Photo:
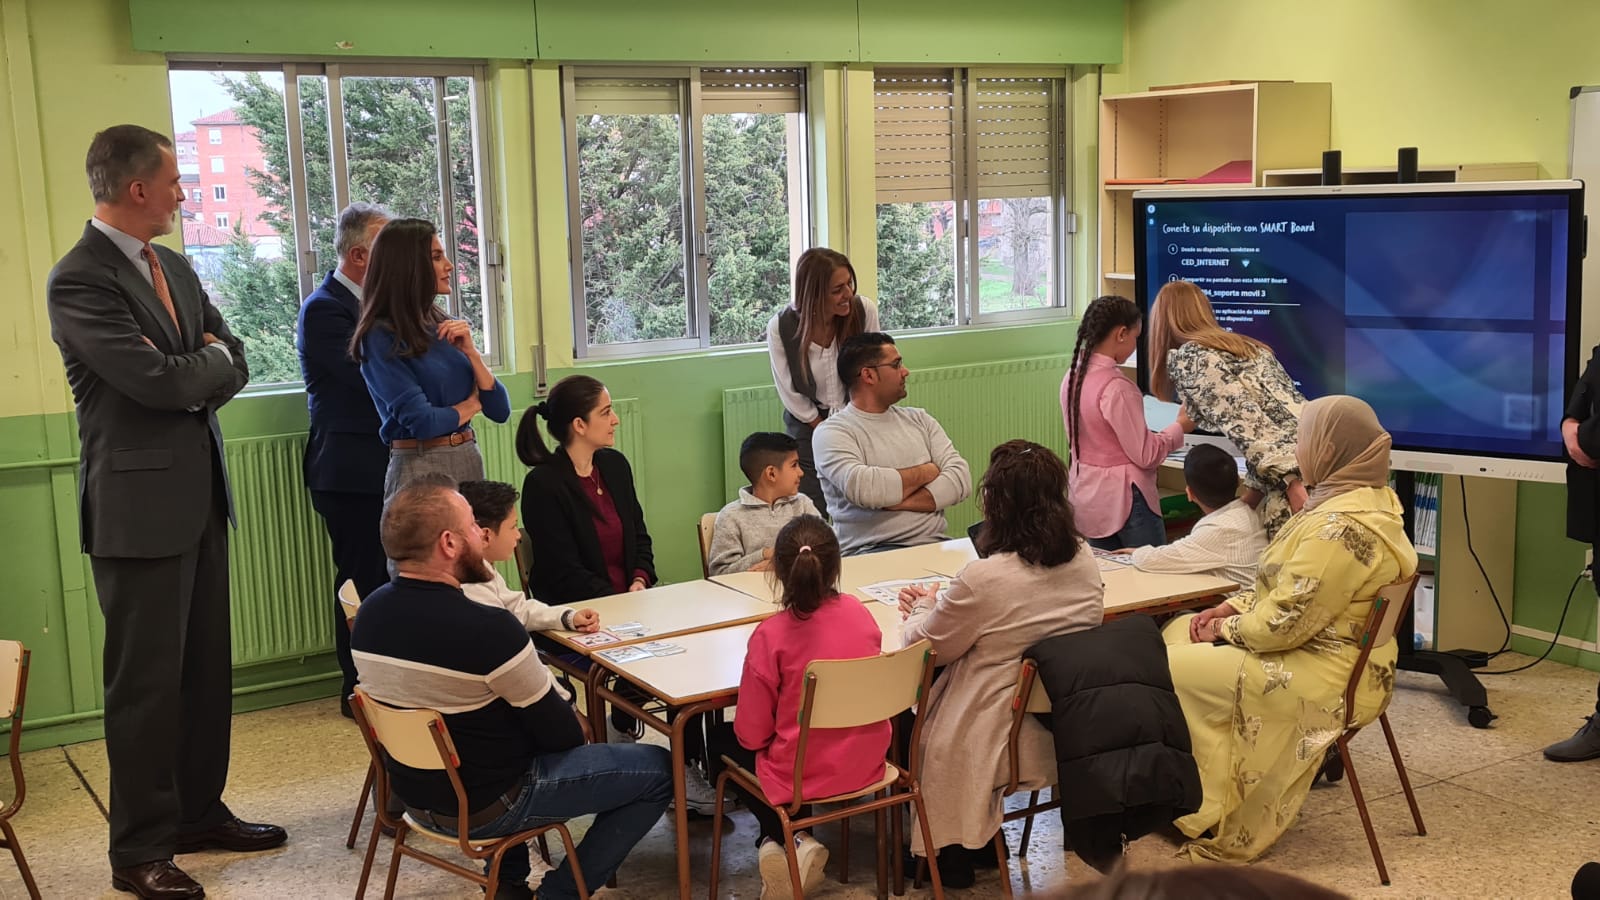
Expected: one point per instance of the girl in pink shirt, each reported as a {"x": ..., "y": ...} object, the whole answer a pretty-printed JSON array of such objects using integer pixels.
[
  {"x": 1114, "y": 453},
  {"x": 817, "y": 622}
]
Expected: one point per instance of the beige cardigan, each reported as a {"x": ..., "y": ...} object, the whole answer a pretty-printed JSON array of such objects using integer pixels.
[{"x": 980, "y": 626}]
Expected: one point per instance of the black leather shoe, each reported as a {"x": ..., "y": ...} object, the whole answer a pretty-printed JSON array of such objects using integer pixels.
[
  {"x": 235, "y": 835},
  {"x": 159, "y": 879}
]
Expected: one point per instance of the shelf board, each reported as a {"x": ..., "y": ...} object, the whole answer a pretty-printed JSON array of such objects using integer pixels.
[
  {"x": 1118, "y": 276},
  {"x": 1179, "y": 185}
]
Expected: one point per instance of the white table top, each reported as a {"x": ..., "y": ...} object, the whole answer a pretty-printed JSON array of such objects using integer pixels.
[
  {"x": 670, "y": 610},
  {"x": 945, "y": 559}
]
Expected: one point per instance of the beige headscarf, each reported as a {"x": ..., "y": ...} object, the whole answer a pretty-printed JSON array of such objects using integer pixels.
[{"x": 1341, "y": 447}]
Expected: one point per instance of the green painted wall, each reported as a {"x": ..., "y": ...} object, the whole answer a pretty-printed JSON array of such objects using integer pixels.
[
  {"x": 942, "y": 31},
  {"x": 1465, "y": 81}
]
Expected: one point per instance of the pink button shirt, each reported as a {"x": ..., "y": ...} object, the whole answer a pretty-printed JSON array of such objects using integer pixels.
[
  {"x": 1116, "y": 448},
  {"x": 838, "y": 760}
]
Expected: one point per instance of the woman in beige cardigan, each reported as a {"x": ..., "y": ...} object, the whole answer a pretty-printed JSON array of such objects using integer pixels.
[{"x": 1037, "y": 579}]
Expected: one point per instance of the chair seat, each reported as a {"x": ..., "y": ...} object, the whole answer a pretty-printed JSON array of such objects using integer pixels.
[
  {"x": 890, "y": 776},
  {"x": 482, "y": 845}
]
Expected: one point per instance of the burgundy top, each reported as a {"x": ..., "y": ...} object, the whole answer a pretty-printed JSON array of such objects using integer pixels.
[{"x": 608, "y": 529}]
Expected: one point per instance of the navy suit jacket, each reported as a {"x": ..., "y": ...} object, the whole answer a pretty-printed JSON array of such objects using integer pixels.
[{"x": 344, "y": 452}]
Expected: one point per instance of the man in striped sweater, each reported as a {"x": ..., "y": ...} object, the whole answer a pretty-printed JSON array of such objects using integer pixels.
[{"x": 419, "y": 642}]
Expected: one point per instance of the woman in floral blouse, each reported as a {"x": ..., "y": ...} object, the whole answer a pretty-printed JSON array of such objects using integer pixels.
[
  {"x": 1265, "y": 703},
  {"x": 1231, "y": 384}
]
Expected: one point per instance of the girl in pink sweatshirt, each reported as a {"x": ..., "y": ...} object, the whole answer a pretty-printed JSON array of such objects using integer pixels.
[
  {"x": 1114, "y": 453},
  {"x": 817, "y": 622}
]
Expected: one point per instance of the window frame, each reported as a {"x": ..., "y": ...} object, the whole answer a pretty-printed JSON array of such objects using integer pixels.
[
  {"x": 969, "y": 311},
  {"x": 219, "y": 193},
  {"x": 220, "y": 220},
  {"x": 309, "y": 269},
  {"x": 216, "y": 164},
  {"x": 213, "y": 136},
  {"x": 696, "y": 244}
]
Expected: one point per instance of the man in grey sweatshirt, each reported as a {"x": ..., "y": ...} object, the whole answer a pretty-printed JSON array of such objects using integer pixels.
[{"x": 888, "y": 471}]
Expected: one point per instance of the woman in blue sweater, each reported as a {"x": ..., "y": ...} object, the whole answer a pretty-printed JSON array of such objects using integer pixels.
[{"x": 421, "y": 366}]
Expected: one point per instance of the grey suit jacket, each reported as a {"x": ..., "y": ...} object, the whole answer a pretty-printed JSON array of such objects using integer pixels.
[{"x": 145, "y": 483}]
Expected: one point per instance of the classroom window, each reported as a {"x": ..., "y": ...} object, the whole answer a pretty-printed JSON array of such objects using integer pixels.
[
  {"x": 318, "y": 136},
  {"x": 971, "y": 175},
  {"x": 688, "y": 199}
]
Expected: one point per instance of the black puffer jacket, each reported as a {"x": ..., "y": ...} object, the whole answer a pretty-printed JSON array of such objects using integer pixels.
[{"x": 1122, "y": 746}]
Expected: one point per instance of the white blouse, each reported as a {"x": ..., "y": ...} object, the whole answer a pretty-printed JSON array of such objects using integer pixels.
[{"x": 824, "y": 369}]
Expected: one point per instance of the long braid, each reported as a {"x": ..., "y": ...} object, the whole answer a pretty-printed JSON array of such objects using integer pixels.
[{"x": 1103, "y": 315}]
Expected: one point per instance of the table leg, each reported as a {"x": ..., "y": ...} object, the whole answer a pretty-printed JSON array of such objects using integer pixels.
[{"x": 597, "y": 705}]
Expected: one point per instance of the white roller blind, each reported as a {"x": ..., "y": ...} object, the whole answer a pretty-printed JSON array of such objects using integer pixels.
[
  {"x": 1019, "y": 135},
  {"x": 752, "y": 90},
  {"x": 915, "y": 124},
  {"x": 626, "y": 96}
]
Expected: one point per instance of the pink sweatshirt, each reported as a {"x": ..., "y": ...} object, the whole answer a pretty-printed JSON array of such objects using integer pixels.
[
  {"x": 838, "y": 760},
  {"x": 1115, "y": 448}
]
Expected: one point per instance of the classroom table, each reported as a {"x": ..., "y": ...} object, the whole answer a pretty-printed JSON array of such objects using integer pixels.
[
  {"x": 705, "y": 676},
  {"x": 667, "y": 611}
]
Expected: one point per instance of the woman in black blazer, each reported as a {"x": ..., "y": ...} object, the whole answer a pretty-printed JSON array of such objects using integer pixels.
[{"x": 579, "y": 508}]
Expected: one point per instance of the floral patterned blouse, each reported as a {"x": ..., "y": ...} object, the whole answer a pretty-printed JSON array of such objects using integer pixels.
[{"x": 1252, "y": 402}]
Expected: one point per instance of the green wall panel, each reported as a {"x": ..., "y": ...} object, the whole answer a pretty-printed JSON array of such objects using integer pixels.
[
  {"x": 479, "y": 29},
  {"x": 698, "y": 31},
  {"x": 1001, "y": 31}
]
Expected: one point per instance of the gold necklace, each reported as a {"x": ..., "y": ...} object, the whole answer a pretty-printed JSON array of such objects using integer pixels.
[{"x": 594, "y": 479}]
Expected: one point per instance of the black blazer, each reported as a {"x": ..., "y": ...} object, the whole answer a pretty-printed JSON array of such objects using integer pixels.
[
  {"x": 567, "y": 564},
  {"x": 344, "y": 452},
  {"x": 147, "y": 397},
  {"x": 1583, "y": 485}
]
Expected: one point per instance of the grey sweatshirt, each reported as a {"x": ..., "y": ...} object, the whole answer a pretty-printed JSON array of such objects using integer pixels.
[
  {"x": 857, "y": 456},
  {"x": 748, "y": 525}
]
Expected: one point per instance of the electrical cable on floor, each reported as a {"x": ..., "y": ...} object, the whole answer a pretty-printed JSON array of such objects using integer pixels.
[
  {"x": 1466, "y": 521},
  {"x": 1554, "y": 638}
]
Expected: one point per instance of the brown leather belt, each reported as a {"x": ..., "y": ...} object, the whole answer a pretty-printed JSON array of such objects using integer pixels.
[
  {"x": 476, "y": 820},
  {"x": 463, "y": 436}
]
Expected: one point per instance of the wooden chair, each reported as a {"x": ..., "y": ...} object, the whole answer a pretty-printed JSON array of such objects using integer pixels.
[
  {"x": 1025, "y": 701},
  {"x": 13, "y": 691},
  {"x": 420, "y": 739},
  {"x": 1388, "y": 608},
  {"x": 350, "y": 602},
  {"x": 705, "y": 531},
  {"x": 834, "y": 699}
]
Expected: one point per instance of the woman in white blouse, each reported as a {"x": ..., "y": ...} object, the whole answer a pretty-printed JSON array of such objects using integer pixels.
[{"x": 804, "y": 339}]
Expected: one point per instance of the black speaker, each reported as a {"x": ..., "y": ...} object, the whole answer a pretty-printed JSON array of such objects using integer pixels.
[
  {"x": 1406, "y": 165},
  {"x": 1331, "y": 168}
]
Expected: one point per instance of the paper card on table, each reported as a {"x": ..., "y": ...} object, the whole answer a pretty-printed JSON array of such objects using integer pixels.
[
  {"x": 888, "y": 592},
  {"x": 596, "y": 639},
  {"x": 1111, "y": 562},
  {"x": 623, "y": 654},
  {"x": 660, "y": 648},
  {"x": 629, "y": 629}
]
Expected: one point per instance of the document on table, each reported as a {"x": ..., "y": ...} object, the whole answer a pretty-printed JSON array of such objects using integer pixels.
[
  {"x": 1112, "y": 562},
  {"x": 889, "y": 591}
]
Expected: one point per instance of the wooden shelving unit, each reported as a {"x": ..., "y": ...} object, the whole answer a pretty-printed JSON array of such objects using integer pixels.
[{"x": 1184, "y": 133}]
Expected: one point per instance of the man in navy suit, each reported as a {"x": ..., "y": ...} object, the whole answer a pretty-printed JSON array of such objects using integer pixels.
[{"x": 345, "y": 460}]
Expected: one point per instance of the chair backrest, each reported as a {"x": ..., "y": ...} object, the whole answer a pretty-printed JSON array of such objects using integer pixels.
[
  {"x": 1026, "y": 698},
  {"x": 349, "y": 601},
  {"x": 524, "y": 559},
  {"x": 707, "y": 527},
  {"x": 407, "y": 735},
  {"x": 1388, "y": 608},
  {"x": 836, "y": 697},
  {"x": 13, "y": 678}
]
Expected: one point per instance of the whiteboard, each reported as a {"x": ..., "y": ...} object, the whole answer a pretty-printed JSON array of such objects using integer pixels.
[{"x": 1583, "y": 163}]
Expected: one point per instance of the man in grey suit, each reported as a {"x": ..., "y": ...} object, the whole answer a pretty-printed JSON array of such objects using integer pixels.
[{"x": 150, "y": 360}]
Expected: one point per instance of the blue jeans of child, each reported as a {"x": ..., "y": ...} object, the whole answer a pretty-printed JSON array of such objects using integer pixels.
[
  {"x": 628, "y": 786},
  {"x": 1144, "y": 527}
]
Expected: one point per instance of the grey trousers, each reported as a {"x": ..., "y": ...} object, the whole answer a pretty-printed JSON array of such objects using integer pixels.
[{"x": 463, "y": 462}]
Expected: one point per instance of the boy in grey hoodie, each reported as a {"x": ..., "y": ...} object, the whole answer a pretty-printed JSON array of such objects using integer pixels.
[{"x": 742, "y": 539}]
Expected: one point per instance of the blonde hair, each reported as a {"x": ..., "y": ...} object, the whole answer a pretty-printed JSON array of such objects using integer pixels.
[{"x": 1182, "y": 314}]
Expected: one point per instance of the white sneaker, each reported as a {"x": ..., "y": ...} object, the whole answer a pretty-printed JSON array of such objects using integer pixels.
[
  {"x": 775, "y": 884},
  {"x": 813, "y": 858},
  {"x": 698, "y": 795}
]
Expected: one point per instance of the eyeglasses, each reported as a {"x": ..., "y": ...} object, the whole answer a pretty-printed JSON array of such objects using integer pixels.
[{"x": 897, "y": 363}]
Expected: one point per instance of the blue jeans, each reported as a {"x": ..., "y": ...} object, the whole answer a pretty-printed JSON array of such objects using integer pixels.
[
  {"x": 628, "y": 786},
  {"x": 1143, "y": 528}
]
